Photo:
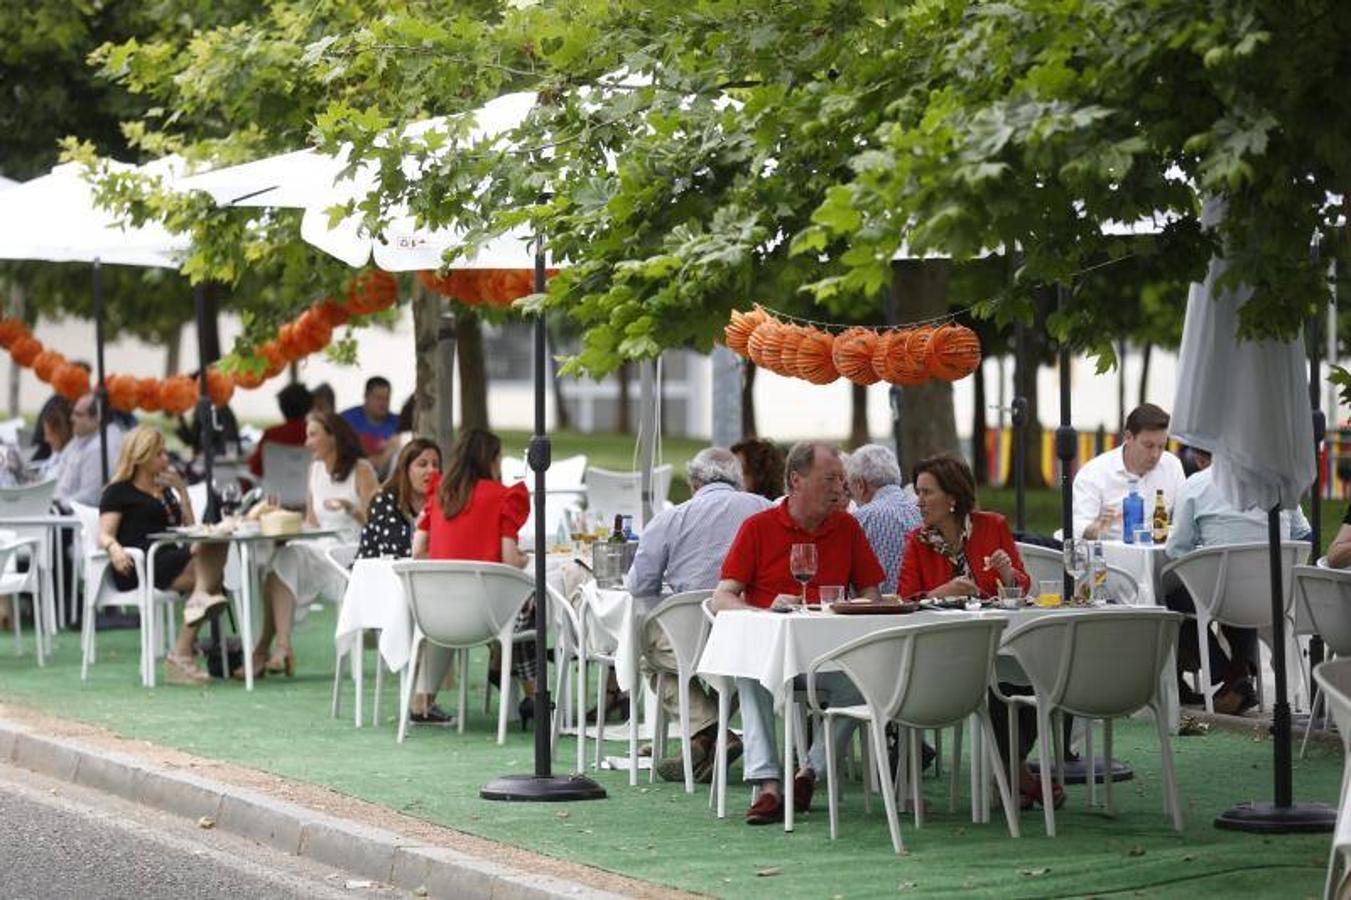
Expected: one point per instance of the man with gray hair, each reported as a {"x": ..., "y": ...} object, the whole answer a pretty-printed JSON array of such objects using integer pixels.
[
  {"x": 887, "y": 513},
  {"x": 681, "y": 550}
]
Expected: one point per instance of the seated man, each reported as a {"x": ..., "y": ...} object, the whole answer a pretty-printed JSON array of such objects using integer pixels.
[
  {"x": 756, "y": 575},
  {"x": 1202, "y": 517},
  {"x": 1104, "y": 481},
  {"x": 374, "y": 423},
  {"x": 81, "y": 475},
  {"x": 683, "y": 548},
  {"x": 885, "y": 510},
  {"x": 295, "y": 401}
]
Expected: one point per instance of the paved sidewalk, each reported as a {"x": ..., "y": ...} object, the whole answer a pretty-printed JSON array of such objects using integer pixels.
[{"x": 329, "y": 828}]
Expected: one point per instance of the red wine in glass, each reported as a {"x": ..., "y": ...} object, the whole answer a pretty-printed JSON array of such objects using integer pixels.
[{"x": 802, "y": 564}]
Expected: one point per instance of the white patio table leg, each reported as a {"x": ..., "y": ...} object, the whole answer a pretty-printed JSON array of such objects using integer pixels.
[
  {"x": 246, "y": 609},
  {"x": 788, "y": 756}
]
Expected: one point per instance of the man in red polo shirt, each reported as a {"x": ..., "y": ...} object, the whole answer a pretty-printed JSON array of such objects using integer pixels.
[{"x": 755, "y": 575}]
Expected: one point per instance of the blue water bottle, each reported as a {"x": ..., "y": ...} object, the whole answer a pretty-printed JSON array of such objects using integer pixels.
[{"x": 1132, "y": 513}]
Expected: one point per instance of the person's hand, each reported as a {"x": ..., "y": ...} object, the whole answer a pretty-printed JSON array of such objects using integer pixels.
[
  {"x": 1106, "y": 520},
  {"x": 120, "y": 560},
  {"x": 337, "y": 503},
  {"x": 1001, "y": 563},
  {"x": 961, "y": 586},
  {"x": 786, "y": 601},
  {"x": 171, "y": 479}
]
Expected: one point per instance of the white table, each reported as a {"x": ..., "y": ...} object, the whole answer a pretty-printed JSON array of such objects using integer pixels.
[
  {"x": 374, "y": 599},
  {"x": 244, "y": 544},
  {"x": 1144, "y": 562},
  {"x": 48, "y": 562}
]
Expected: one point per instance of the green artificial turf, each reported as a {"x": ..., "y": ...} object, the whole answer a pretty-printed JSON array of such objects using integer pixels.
[{"x": 660, "y": 834}]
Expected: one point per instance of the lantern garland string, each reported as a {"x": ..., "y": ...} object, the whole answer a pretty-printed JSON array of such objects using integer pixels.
[{"x": 950, "y": 316}]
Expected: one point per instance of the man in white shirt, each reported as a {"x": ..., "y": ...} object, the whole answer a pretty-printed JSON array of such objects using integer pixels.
[
  {"x": 81, "y": 476},
  {"x": 1104, "y": 481}
]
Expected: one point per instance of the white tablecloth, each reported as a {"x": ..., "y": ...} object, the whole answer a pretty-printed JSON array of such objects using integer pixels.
[
  {"x": 375, "y": 599},
  {"x": 612, "y": 629},
  {"x": 1143, "y": 562}
]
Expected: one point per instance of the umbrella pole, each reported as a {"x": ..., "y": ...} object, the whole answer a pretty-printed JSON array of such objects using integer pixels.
[
  {"x": 543, "y": 785},
  {"x": 101, "y": 388},
  {"x": 1066, "y": 441},
  {"x": 205, "y": 412},
  {"x": 1019, "y": 420},
  {"x": 1284, "y": 815}
]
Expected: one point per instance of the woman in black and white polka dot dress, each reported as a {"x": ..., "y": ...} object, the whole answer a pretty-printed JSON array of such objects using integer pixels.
[{"x": 388, "y": 531}]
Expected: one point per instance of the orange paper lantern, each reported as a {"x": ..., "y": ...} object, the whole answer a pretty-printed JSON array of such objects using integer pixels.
[
  {"x": 46, "y": 363},
  {"x": 247, "y": 379},
  {"x": 25, "y": 349},
  {"x": 276, "y": 361},
  {"x": 148, "y": 395},
  {"x": 178, "y": 394},
  {"x": 220, "y": 386},
  {"x": 372, "y": 291},
  {"x": 312, "y": 332},
  {"x": 71, "y": 381},
  {"x": 334, "y": 314},
  {"x": 954, "y": 352},
  {"x": 908, "y": 361},
  {"x": 10, "y": 331},
  {"x": 739, "y": 328},
  {"x": 814, "y": 357},
  {"x": 766, "y": 343},
  {"x": 290, "y": 343},
  {"x": 853, "y": 355},
  {"x": 793, "y": 336},
  {"x": 122, "y": 392}
]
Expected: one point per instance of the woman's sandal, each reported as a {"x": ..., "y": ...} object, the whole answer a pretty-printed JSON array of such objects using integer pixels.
[
  {"x": 282, "y": 661},
  {"x": 259, "y": 669}
]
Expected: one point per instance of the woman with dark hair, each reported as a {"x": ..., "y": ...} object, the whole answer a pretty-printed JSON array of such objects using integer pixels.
[
  {"x": 56, "y": 430},
  {"x": 471, "y": 515},
  {"x": 962, "y": 551},
  {"x": 761, "y": 467},
  {"x": 395, "y": 510},
  {"x": 340, "y": 486}
]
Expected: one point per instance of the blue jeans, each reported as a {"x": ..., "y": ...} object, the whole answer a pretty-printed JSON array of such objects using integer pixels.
[{"x": 760, "y": 761}]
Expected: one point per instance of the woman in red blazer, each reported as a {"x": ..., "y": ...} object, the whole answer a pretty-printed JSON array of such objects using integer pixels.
[{"x": 960, "y": 551}]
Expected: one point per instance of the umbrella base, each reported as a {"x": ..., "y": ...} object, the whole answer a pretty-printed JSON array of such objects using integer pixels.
[
  {"x": 1076, "y": 771},
  {"x": 1268, "y": 818},
  {"x": 542, "y": 789}
]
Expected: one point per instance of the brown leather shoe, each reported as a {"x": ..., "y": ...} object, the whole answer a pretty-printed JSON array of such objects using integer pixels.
[
  {"x": 803, "y": 785},
  {"x": 766, "y": 810}
]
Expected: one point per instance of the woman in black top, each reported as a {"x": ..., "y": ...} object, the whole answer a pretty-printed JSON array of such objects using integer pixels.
[
  {"x": 147, "y": 496},
  {"x": 389, "y": 522}
]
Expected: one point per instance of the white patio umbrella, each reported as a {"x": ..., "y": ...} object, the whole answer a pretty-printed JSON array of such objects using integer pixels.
[
  {"x": 1248, "y": 401},
  {"x": 53, "y": 218}
]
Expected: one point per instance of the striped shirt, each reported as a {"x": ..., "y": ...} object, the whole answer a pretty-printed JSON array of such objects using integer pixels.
[{"x": 887, "y": 520}]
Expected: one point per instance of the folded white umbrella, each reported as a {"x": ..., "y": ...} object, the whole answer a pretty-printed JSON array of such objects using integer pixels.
[{"x": 1245, "y": 401}]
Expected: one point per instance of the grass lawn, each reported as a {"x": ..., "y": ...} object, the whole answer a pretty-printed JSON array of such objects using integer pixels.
[{"x": 660, "y": 834}]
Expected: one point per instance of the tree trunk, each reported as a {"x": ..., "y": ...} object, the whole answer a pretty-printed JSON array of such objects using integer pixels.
[
  {"x": 1025, "y": 386},
  {"x": 858, "y": 415},
  {"x": 928, "y": 425},
  {"x": 473, "y": 372},
  {"x": 18, "y": 310},
  {"x": 748, "y": 401},
  {"x": 623, "y": 422},
  {"x": 562, "y": 418},
  {"x": 1145, "y": 352},
  {"x": 426, "y": 322},
  {"x": 173, "y": 347},
  {"x": 209, "y": 339},
  {"x": 980, "y": 459}
]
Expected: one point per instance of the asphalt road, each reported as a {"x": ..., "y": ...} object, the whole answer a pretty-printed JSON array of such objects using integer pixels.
[{"x": 62, "y": 840}]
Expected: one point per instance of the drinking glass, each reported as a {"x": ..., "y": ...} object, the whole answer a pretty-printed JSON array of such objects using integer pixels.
[
  {"x": 230, "y": 496},
  {"x": 1144, "y": 536},
  {"x": 1076, "y": 557},
  {"x": 1050, "y": 593},
  {"x": 802, "y": 564},
  {"x": 831, "y": 593},
  {"x": 1010, "y": 596}
]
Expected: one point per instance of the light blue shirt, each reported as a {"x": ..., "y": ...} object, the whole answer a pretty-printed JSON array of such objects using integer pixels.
[
  {"x": 887, "y": 520},
  {"x": 683, "y": 547},
  {"x": 1203, "y": 518}
]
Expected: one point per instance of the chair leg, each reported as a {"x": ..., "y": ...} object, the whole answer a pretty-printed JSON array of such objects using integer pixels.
[
  {"x": 659, "y": 729},
  {"x": 877, "y": 731},
  {"x": 938, "y": 754},
  {"x": 870, "y": 774},
  {"x": 504, "y": 691},
  {"x": 992, "y": 754},
  {"x": 379, "y": 690},
  {"x": 464, "y": 690},
  {"x": 1169, "y": 773},
  {"x": 1058, "y": 723},
  {"x": 602, "y": 709},
  {"x": 1308, "y": 726},
  {"x": 87, "y": 640},
  {"x": 956, "y": 769},
  {"x": 579, "y": 698},
  {"x": 832, "y": 796},
  {"x": 685, "y": 750},
  {"x": 1202, "y": 634},
  {"x": 561, "y": 705},
  {"x": 916, "y": 775},
  {"x": 1107, "y": 775},
  {"x": 1044, "y": 739},
  {"x": 407, "y": 679}
]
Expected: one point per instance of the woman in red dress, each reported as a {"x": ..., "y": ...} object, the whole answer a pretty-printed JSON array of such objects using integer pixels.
[
  {"x": 962, "y": 551},
  {"x": 471, "y": 515}
]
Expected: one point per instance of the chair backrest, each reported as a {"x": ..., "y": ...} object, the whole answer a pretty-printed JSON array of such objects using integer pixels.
[
  {"x": 568, "y": 473},
  {"x": 709, "y": 612},
  {"x": 341, "y": 557},
  {"x": 1323, "y": 599},
  {"x": 27, "y": 499},
  {"x": 566, "y": 623},
  {"x": 1334, "y": 679},
  {"x": 463, "y": 604},
  {"x": 925, "y": 676},
  {"x": 620, "y": 493},
  {"x": 286, "y": 472},
  {"x": 514, "y": 469},
  {"x": 89, "y": 526},
  {"x": 1041, "y": 563},
  {"x": 680, "y": 618},
  {"x": 1097, "y": 663},
  {"x": 1232, "y": 582},
  {"x": 1122, "y": 586}
]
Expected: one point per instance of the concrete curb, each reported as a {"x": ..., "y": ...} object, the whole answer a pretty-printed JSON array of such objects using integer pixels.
[{"x": 362, "y": 850}]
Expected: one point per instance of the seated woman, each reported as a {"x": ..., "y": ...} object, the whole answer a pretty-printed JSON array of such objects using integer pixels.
[
  {"x": 761, "y": 467},
  {"x": 962, "y": 551},
  {"x": 56, "y": 434},
  {"x": 147, "y": 496},
  {"x": 471, "y": 515},
  {"x": 339, "y": 488}
]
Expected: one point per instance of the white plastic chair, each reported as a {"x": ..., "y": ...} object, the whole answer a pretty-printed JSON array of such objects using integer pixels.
[
  {"x": 1100, "y": 664},
  {"x": 1334, "y": 682},
  {"x": 340, "y": 558},
  {"x": 1230, "y": 584},
  {"x": 680, "y": 619},
  {"x": 613, "y": 493},
  {"x": 604, "y": 662},
  {"x": 923, "y": 677},
  {"x": 462, "y": 605},
  {"x": 13, "y": 583},
  {"x": 100, "y": 592},
  {"x": 569, "y": 654},
  {"x": 286, "y": 473},
  {"x": 28, "y": 501},
  {"x": 1048, "y": 564},
  {"x": 1324, "y": 597}
]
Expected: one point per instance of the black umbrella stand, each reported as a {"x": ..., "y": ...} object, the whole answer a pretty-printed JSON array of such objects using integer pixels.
[
  {"x": 543, "y": 785},
  {"x": 1283, "y": 815}
]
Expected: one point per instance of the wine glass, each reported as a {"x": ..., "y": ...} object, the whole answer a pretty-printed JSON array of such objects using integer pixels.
[
  {"x": 1076, "y": 558},
  {"x": 802, "y": 563},
  {"x": 230, "y": 496}
]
